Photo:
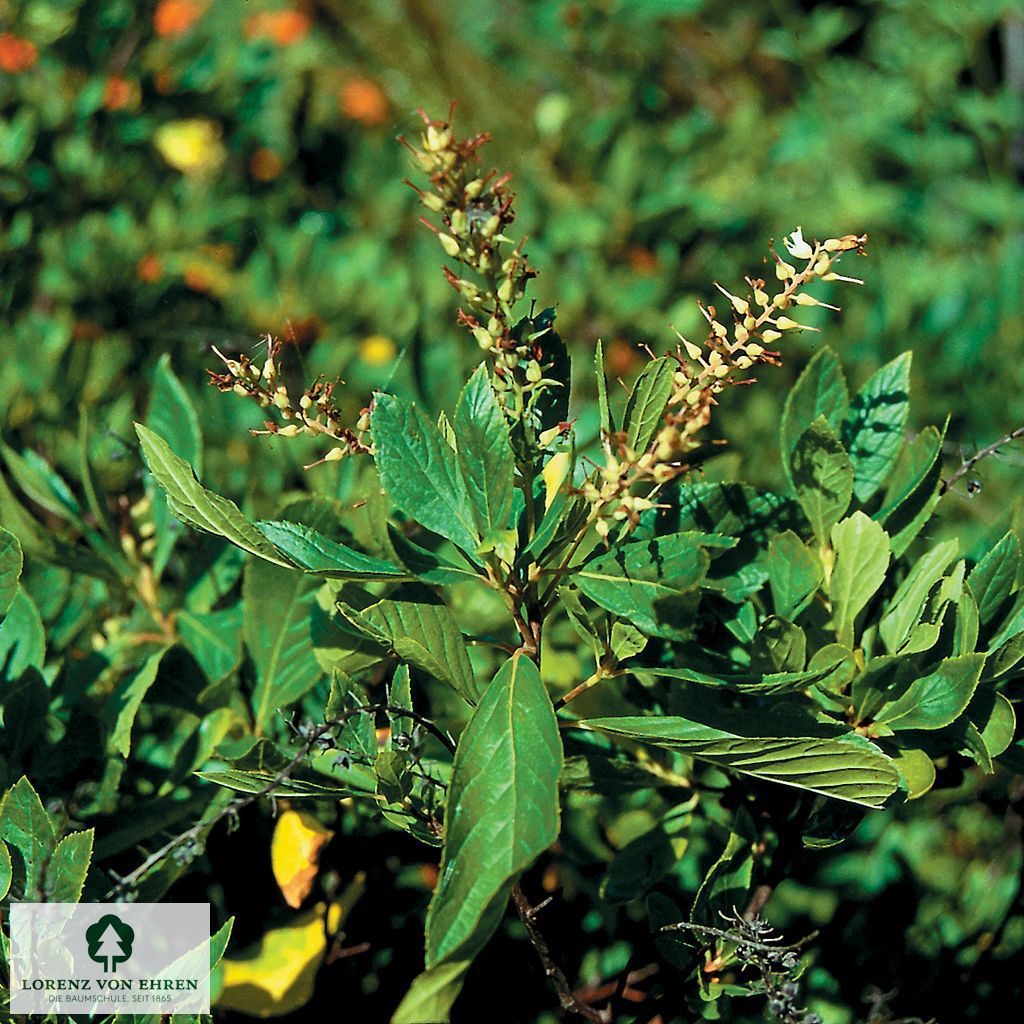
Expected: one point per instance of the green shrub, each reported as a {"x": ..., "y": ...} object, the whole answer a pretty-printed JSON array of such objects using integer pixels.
[{"x": 770, "y": 676}]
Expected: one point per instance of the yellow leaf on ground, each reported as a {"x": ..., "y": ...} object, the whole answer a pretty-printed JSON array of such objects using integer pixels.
[
  {"x": 276, "y": 976},
  {"x": 295, "y": 853}
]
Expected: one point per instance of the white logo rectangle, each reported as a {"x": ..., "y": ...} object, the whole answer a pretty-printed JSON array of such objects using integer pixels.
[{"x": 110, "y": 958}]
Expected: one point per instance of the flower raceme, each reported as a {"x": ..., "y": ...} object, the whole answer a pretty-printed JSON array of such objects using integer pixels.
[{"x": 759, "y": 319}]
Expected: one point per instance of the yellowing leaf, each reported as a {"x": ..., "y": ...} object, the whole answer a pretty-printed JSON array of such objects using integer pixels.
[
  {"x": 295, "y": 853},
  {"x": 192, "y": 146},
  {"x": 276, "y": 976},
  {"x": 554, "y": 473}
]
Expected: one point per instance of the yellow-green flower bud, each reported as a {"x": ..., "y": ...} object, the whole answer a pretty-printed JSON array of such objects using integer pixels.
[
  {"x": 784, "y": 271},
  {"x": 483, "y": 338},
  {"x": 533, "y": 371},
  {"x": 432, "y": 202},
  {"x": 491, "y": 225},
  {"x": 506, "y": 290},
  {"x": 474, "y": 188},
  {"x": 770, "y": 336},
  {"x": 449, "y": 244},
  {"x": 335, "y": 455},
  {"x": 458, "y": 223},
  {"x": 785, "y": 324}
]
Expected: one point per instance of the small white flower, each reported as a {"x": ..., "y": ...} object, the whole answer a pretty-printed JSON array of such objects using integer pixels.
[{"x": 796, "y": 245}]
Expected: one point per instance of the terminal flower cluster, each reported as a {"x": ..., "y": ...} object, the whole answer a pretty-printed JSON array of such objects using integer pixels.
[
  {"x": 737, "y": 341},
  {"x": 314, "y": 414}
]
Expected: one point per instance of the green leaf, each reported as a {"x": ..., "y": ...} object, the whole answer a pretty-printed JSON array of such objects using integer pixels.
[
  {"x": 10, "y": 569},
  {"x": 862, "y": 557},
  {"x": 124, "y": 703},
  {"x": 321, "y": 556},
  {"x": 650, "y": 582},
  {"x": 794, "y": 573},
  {"x": 195, "y": 506},
  {"x": 22, "y": 638},
  {"x": 936, "y": 700},
  {"x": 873, "y": 431},
  {"x": 66, "y": 871},
  {"x": 647, "y": 402},
  {"x": 914, "y": 489},
  {"x": 484, "y": 453},
  {"x": 6, "y": 870},
  {"x": 502, "y": 813},
  {"x": 25, "y": 825},
  {"x": 261, "y": 781},
  {"x": 917, "y": 769},
  {"x": 214, "y": 639},
  {"x": 822, "y": 476},
  {"x": 645, "y": 860},
  {"x": 908, "y": 602},
  {"x": 992, "y": 579},
  {"x": 418, "y": 469},
  {"x": 424, "y": 633},
  {"x": 764, "y": 684},
  {"x": 726, "y": 884},
  {"x": 278, "y": 607},
  {"x": 843, "y": 768},
  {"x": 172, "y": 416},
  {"x": 819, "y": 391}
]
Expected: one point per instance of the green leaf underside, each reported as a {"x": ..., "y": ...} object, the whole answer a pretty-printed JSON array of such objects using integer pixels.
[
  {"x": 195, "y": 506},
  {"x": 321, "y": 556},
  {"x": 646, "y": 403},
  {"x": 502, "y": 813},
  {"x": 846, "y": 768},
  {"x": 418, "y": 469},
  {"x": 258, "y": 781}
]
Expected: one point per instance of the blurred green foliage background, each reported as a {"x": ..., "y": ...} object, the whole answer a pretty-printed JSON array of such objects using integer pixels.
[{"x": 180, "y": 174}]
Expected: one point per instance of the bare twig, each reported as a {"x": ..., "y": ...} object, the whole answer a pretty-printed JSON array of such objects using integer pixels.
[
  {"x": 556, "y": 976},
  {"x": 983, "y": 453}
]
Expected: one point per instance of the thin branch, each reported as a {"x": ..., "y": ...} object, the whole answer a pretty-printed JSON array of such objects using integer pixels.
[
  {"x": 556, "y": 976},
  {"x": 968, "y": 464},
  {"x": 240, "y": 803}
]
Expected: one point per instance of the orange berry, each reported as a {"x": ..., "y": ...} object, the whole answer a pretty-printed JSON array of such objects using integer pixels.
[
  {"x": 174, "y": 18},
  {"x": 16, "y": 55},
  {"x": 265, "y": 164},
  {"x": 364, "y": 101},
  {"x": 120, "y": 93},
  {"x": 282, "y": 27},
  {"x": 197, "y": 279},
  {"x": 149, "y": 268}
]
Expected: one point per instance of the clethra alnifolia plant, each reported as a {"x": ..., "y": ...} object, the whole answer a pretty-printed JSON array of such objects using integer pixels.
[{"x": 773, "y": 665}]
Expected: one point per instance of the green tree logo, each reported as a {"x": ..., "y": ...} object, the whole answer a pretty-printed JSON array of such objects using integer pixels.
[{"x": 110, "y": 941}]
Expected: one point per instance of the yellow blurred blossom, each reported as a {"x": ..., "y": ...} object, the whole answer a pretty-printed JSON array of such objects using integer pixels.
[
  {"x": 377, "y": 350},
  {"x": 192, "y": 146}
]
